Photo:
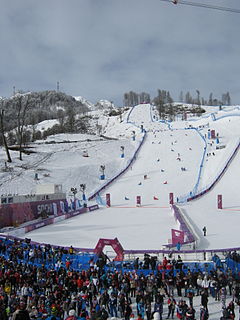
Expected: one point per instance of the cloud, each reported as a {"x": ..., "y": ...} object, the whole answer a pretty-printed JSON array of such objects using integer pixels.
[{"x": 102, "y": 49}]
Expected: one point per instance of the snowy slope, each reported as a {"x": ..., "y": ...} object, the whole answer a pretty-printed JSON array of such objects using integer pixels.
[{"x": 148, "y": 227}]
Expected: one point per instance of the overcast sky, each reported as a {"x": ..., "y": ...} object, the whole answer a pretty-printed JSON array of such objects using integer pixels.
[{"x": 100, "y": 49}]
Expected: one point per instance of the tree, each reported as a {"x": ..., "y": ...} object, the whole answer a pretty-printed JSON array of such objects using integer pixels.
[
  {"x": 226, "y": 99},
  {"x": 37, "y": 135},
  {"x": 188, "y": 98},
  {"x": 61, "y": 117},
  {"x": 70, "y": 122},
  {"x": 198, "y": 98},
  {"x": 22, "y": 105},
  {"x": 2, "y": 129},
  {"x": 210, "y": 100},
  {"x": 181, "y": 97}
]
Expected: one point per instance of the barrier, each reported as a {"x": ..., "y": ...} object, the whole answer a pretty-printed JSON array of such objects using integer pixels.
[{"x": 187, "y": 255}]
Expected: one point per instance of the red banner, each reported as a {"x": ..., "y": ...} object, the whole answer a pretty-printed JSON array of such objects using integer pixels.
[
  {"x": 177, "y": 236},
  {"x": 171, "y": 198},
  {"x": 138, "y": 199},
  {"x": 108, "y": 201},
  {"x": 219, "y": 201}
]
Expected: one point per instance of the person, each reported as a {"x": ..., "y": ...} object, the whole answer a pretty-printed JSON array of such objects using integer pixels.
[
  {"x": 3, "y": 313},
  {"x": 203, "y": 313},
  {"x": 158, "y": 307},
  {"x": 204, "y": 231},
  {"x": 72, "y": 315},
  {"x": 225, "y": 314},
  {"x": 190, "y": 314},
  {"x": 156, "y": 316},
  {"x": 104, "y": 314},
  {"x": 128, "y": 311},
  {"x": 171, "y": 306},
  {"x": 113, "y": 305},
  {"x": 230, "y": 310},
  {"x": 190, "y": 294},
  {"x": 204, "y": 300},
  {"x": 178, "y": 246},
  {"x": 223, "y": 296},
  {"x": 21, "y": 313}
]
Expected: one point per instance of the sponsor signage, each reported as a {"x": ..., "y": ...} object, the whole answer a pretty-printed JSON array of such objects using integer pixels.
[{"x": 94, "y": 207}]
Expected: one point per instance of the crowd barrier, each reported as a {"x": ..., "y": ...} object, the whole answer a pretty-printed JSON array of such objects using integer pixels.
[
  {"x": 126, "y": 267},
  {"x": 79, "y": 261}
]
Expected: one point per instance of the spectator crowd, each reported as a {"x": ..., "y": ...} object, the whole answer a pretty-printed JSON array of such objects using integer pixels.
[{"x": 37, "y": 283}]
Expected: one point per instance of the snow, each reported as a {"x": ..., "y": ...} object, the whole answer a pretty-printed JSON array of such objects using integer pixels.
[{"x": 166, "y": 149}]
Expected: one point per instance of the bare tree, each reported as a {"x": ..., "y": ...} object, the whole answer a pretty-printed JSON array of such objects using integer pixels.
[
  {"x": 2, "y": 130},
  {"x": 22, "y": 105}
]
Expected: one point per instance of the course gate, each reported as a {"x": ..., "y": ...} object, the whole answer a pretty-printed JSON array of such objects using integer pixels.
[{"x": 114, "y": 243}]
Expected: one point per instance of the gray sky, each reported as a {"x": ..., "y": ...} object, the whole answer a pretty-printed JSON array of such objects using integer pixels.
[{"x": 100, "y": 49}]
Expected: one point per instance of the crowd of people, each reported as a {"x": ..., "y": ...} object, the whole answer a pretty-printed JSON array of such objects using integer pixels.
[{"x": 35, "y": 283}]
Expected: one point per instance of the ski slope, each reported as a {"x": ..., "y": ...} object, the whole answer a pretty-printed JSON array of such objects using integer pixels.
[{"x": 164, "y": 152}]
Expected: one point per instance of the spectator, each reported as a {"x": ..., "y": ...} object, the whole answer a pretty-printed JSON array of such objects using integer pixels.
[
  {"x": 21, "y": 313},
  {"x": 72, "y": 315}
]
